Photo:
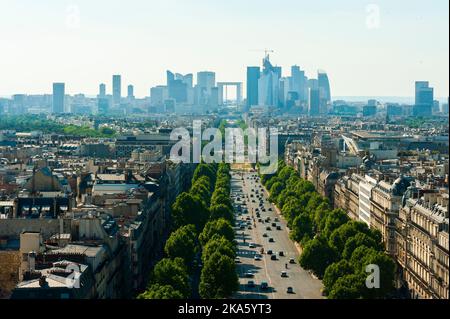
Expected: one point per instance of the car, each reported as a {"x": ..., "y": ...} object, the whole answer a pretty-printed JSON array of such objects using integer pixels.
[
  {"x": 284, "y": 274},
  {"x": 237, "y": 260},
  {"x": 290, "y": 290},
  {"x": 249, "y": 228},
  {"x": 263, "y": 209},
  {"x": 274, "y": 225},
  {"x": 269, "y": 252},
  {"x": 259, "y": 220},
  {"x": 265, "y": 235},
  {"x": 276, "y": 219},
  {"x": 264, "y": 285},
  {"x": 271, "y": 240},
  {"x": 250, "y": 284},
  {"x": 281, "y": 254},
  {"x": 268, "y": 228},
  {"x": 270, "y": 209},
  {"x": 292, "y": 261},
  {"x": 242, "y": 227},
  {"x": 278, "y": 227},
  {"x": 273, "y": 257},
  {"x": 253, "y": 201},
  {"x": 257, "y": 257},
  {"x": 251, "y": 245},
  {"x": 249, "y": 274}
]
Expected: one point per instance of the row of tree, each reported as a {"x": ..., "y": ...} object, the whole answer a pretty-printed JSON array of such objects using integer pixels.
[
  {"x": 202, "y": 223},
  {"x": 336, "y": 249}
]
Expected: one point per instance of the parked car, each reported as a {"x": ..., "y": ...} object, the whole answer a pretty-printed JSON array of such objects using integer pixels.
[
  {"x": 290, "y": 290},
  {"x": 292, "y": 261},
  {"x": 250, "y": 284},
  {"x": 264, "y": 285},
  {"x": 273, "y": 257},
  {"x": 281, "y": 254},
  {"x": 284, "y": 274},
  {"x": 271, "y": 240}
]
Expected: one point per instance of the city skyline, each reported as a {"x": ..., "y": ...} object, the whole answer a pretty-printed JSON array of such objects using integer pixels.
[{"x": 82, "y": 45}]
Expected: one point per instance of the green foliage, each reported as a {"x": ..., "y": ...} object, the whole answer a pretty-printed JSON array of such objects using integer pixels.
[
  {"x": 221, "y": 211},
  {"x": 360, "y": 239},
  {"x": 205, "y": 170},
  {"x": 334, "y": 272},
  {"x": 189, "y": 209},
  {"x": 182, "y": 243},
  {"x": 275, "y": 190},
  {"x": 161, "y": 292},
  {"x": 334, "y": 220},
  {"x": 302, "y": 226},
  {"x": 339, "y": 236},
  {"x": 317, "y": 255},
  {"x": 172, "y": 272},
  {"x": 219, "y": 278},
  {"x": 347, "y": 287},
  {"x": 218, "y": 244},
  {"x": 221, "y": 227}
]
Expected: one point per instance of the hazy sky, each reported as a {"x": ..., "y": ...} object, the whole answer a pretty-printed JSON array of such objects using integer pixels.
[{"x": 364, "y": 55}]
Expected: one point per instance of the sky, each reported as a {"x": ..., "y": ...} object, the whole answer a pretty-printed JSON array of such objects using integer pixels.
[{"x": 368, "y": 48}]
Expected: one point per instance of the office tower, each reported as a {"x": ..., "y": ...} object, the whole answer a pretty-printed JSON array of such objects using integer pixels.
[
  {"x": 117, "y": 89},
  {"x": 158, "y": 95},
  {"x": 424, "y": 99},
  {"x": 436, "y": 107},
  {"x": 298, "y": 83},
  {"x": 177, "y": 87},
  {"x": 444, "y": 107},
  {"x": 394, "y": 110},
  {"x": 130, "y": 91},
  {"x": 214, "y": 98},
  {"x": 325, "y": 93},
  {"x": 102, "y": 106},
  {"x": 369, "y": 110},
  {"x": 206, "y": 81},
  {"x": 268, "y": 84},
  {"x": 102, "y": 90},
  {"x": 58, "y": 98},
  {"x": 253, "y": 73},
  {"x": 314, "y": 97}
]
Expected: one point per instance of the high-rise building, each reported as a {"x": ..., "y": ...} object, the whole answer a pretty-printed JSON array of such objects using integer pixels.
[
  {"x": 177, "y": 87},
  {"x": 18, "y": 103},
  {"x": 130, "y": 91},
  {"x": 206, "y": 81},
  {"x": 102, "y": 105},
  {"x": 424, "y": 99},
  {"x": 117, "y": 89},
  {"x": 325, "y": 92},
  {"x": 253, "y": 73},
  {"x": 269, "y": 84},
  {"x": 102, "y": 90},
  {"x": 298, "y": 83},
  {"x": 58, "y": 97},
  {"x": 314, "y": 97},
  {"x": 158, "y": 95}
]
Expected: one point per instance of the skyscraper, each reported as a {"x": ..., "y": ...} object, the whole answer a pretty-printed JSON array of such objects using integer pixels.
[
  {"x": 177, "y": 86},
  {"x": 206, "y": 81},
  {"x": 268, "y": 84},
  {"x": 298, "y": 83},
  {"x": 58, "y": 98},
  {"x": 325, "y": 93},
  {"x": 117, "y": 89},
  {"x": 130, "y": 91},
  {"x": 102, "y": 90},
  {"x": 424, "y": 99},
  {"x": 253, "y": 73},
  {"x": 314, "y": 97}
]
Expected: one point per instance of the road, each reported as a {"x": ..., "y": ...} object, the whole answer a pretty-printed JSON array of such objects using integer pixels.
[{"x": 266, "y": 270}]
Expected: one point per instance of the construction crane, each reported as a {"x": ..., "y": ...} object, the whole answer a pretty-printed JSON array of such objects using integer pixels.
[{"x": 266, "y": 51}]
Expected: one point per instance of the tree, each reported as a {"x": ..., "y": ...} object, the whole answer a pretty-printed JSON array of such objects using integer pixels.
[
  {"x": 220, "y": 227},
  {"x": 275, "y": 190},
  {"x": 285, "y": 173},
  {"x": 221, "y": 197},
  {"x": 182, "y": 243},
  {"x": 347, "y": 287},
  {"x": 218, "y": 244},
  {"x": 360, "y": 239},
  {"x": 291, "y": 209},
  {"x": 387, "y": 269},
  {"x": 334, "y": 220},
  {"x": 218, "y": 278},
  {"x": 172, "y": 272},
  {"x": 202, "y": 188},
  {"x": 221, "y": 211},
  {"x": 205, "y": 170},
  {"x": 320, "y": 215},
  {"x": 317, "y": 255},
  {"x": 189, "y": 209},
  {"x": 302, "y": 226},
  {"x": 334, "y": 272},
  {"x": 157, "y": 291},
  {"x": 339, "y": 236}
]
